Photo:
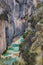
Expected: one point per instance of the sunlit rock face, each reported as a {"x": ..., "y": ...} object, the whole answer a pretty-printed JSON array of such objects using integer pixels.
[{"x": 2, "y": 37}]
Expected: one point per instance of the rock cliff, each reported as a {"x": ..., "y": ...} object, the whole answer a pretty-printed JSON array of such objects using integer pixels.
[{"x": 17, "y": 12}]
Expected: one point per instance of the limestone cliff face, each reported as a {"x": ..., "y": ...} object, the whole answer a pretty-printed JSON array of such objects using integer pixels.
[
  {"x": 19, "y": 10},
  {"x": 22, "y": 9}
]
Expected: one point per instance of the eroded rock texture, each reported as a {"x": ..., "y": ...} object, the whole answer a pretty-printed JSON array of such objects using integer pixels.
[{"x": 17, "y": 12}]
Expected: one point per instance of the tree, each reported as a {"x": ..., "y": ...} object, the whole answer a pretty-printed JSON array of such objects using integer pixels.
[{"x": 28, "y": 56}]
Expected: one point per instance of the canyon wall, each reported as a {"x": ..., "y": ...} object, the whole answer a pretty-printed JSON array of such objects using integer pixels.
[{"x": 19, "y": 10}]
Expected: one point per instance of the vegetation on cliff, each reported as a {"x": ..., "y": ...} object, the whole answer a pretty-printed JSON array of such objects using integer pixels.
[{"x": 33, "y": 54}]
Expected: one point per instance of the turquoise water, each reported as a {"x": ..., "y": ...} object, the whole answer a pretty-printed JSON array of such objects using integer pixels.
[
  {"x": 13, "y": 48},
  {"x": 21, "y": 39},
  {"x": 12, "y": 51},
  {"x": 6, "y": 54},
  {"x": 14, "y": 45},
  {"x": 9, "y": 61}
]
